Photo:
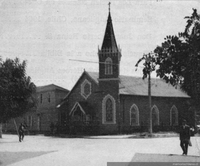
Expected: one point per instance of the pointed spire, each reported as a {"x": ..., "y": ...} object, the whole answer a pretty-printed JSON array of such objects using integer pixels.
[{"x": 109, "y": 41}]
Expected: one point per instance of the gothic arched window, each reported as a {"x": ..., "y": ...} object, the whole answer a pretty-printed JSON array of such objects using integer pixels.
[
  {"x": 155, "y": 116},
  {"x": 134, "y": 115},
  {"x": 108, "y": 110},
  {"x": 108, "y": 66},
  {"x": 173, "y": 116}
]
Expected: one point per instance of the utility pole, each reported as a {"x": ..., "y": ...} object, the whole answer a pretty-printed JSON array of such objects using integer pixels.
[
  {"x": 149, "y": 66},
  {"x": 150, "y": 110},
  {"x": 148, "y": 61}
]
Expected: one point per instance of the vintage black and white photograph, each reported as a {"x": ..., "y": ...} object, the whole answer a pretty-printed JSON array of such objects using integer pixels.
[{"x": 99, "y": 82}]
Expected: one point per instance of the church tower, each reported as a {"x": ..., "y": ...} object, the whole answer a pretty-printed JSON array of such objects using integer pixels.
[
  {"x": 109, "y": 62},
  {"x": 109, "y": 54}
]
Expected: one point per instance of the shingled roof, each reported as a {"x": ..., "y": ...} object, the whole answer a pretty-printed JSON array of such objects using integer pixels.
[
  {"x": 137, "y": 86},
  {"x": 50, "y": 87}
]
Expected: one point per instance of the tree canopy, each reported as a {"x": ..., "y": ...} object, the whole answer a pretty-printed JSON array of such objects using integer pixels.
[
  {"x": 177, "y": 59},
  {"x": 17, "y": 92}
]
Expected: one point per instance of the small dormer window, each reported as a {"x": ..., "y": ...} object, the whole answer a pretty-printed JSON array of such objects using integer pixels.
[
  {"x": 108, "y": 66},
  {"x": 86, "y": 89}
]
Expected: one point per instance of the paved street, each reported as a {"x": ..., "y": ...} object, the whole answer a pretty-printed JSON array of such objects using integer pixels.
[{"x": 51, "y": 151}]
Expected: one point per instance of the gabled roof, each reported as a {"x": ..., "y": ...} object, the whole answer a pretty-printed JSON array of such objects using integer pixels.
[
  {"x": 50, "y": 87},
  {"x": 84, "y": 73},
  {"x": 109, "y": 41},
  {"x": 85, "y": 107},
  {"x": 137, "y": 86}
]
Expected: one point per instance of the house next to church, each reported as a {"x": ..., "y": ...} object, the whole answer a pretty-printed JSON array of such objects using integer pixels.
[
  {"x": 107, "y": 102},
  {"x": 38, "y": 119}
]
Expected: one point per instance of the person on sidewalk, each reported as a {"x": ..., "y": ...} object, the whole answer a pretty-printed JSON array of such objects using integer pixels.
[
  {"x": 184, "y": 137},
  {"x": 21, "y": 132}
]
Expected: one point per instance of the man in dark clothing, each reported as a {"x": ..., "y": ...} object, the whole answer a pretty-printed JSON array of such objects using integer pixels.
[
  {"x": 184, "y": 137},
  {"x": 21, "y": 132}
]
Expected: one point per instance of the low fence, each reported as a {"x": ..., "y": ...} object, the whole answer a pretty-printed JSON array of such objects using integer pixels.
[{"x": 94, "y": 129}]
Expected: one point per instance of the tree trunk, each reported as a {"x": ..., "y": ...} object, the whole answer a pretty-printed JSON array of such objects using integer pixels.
[{"x": 1, "y": 130}]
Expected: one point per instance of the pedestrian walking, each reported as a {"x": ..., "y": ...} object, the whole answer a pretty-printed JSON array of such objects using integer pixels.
[
  {"x": 184, "y": 137},
  {"x": 21, "y": 132}
]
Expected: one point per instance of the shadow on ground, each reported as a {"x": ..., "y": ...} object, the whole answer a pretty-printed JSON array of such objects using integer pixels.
[{"x": 7, "y": 158}]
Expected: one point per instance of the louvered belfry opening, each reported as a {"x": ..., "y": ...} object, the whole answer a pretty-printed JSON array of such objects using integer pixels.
[{"x": 109, "y": 54}]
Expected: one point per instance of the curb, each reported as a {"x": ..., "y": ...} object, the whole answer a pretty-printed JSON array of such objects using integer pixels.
[{"x": 137, "y": 135}]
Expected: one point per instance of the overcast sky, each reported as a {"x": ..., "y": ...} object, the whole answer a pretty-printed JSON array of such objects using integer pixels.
[{"x": 48, "y": 33}]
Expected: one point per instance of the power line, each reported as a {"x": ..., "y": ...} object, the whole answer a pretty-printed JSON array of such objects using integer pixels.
[{"x": 92, "y": 62}]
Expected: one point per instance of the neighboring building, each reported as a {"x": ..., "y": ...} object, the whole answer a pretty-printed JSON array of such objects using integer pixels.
[
  {"x": 38, "y": 120},
  {"x": 107, "y": 103},
  {"x": 49, "y": 97}
]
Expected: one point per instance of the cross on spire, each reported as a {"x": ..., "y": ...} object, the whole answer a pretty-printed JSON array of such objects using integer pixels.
[{"x": 109, "y": 41}]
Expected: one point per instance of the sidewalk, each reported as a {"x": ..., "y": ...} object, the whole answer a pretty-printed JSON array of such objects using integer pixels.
[
  {"x": 125, "y": 136},
  {"x": 145, "y": 159},
  {"x": 141, "y": 157}
]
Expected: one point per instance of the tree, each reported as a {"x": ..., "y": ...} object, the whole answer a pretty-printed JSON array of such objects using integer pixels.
[
  {"x": 178, "y": 59},
  {"x": 16, "y": 90}
]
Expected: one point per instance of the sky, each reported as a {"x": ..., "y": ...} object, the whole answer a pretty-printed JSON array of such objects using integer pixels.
[{"x": 51, "y": 35}]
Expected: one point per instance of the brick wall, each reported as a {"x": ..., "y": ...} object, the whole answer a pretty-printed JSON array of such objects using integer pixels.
[{"x": 163, "y": 104}]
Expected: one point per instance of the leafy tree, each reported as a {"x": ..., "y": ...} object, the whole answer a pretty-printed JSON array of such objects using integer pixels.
[
  {"x": 177, "y": 60},
  {"x": 179, "y": 57},
  {"x": 149, "y": 64},
  {"x": 16, "y": 89}
]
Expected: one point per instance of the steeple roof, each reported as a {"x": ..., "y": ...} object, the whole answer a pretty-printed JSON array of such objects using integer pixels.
[{"x": 109, "y": 41}]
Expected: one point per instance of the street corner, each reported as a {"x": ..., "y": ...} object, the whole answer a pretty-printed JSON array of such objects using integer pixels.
[{"x": 145, "y": 157}]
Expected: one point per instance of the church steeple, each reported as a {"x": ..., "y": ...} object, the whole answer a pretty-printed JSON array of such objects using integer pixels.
[
  {"x": 109, "y": 41},
  {"x": 109, "y": 62},
  {"x": 109, "y": 54}
]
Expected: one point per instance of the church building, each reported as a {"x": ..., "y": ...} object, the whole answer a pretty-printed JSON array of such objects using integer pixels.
[{"x": 109, "y": 103}]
